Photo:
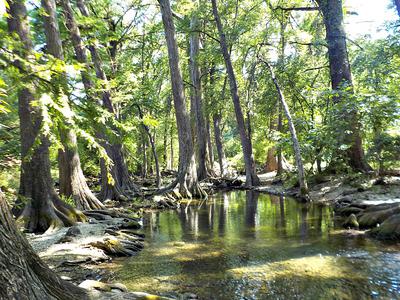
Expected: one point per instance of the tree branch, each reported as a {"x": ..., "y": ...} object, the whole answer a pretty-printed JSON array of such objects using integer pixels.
[{"x": 312, "y": 8}]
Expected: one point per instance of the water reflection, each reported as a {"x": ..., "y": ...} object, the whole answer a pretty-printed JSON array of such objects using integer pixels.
[{"x": 246, "y": 245}]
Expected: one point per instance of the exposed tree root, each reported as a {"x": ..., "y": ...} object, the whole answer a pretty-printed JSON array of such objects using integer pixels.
[
  {"x": 51, "y": 214},
  {"x": 120, "y": 244},
  {"x": 194, "y": 191},
  {"x": 113, "y": 192},
  {"x": 87, "y": 201}
]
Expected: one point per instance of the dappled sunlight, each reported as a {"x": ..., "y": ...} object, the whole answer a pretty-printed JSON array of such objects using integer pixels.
[{"x": 311, "y": 266}]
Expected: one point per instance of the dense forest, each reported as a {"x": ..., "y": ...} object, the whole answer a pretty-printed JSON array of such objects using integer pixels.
[{"x": 109, "y": 108}]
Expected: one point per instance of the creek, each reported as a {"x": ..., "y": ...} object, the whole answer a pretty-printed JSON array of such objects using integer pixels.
[{"x": 246, "y": 245}]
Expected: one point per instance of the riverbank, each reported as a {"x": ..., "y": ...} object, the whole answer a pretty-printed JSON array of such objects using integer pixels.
[
  {"x": 76, "y": 253},
  {"x": 368, "y": 204}
]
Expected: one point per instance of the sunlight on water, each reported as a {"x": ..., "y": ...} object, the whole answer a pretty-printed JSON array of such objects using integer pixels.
[{"x": 245, "y": 245}]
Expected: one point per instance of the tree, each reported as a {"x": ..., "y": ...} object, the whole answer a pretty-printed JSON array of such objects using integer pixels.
[
  {"x": 43, "y": 209},
  {"x": 121, "y": 180},
  {"x": 341, "y": 80},
  {"x": 196, "y": 97},
  {"x": 119, "y": 170},
  {"x": 23, "y": 274},
  {"x": 251, "y": 176},
  {"x": 187, "y": 177},
  {"x": 72, "y": 181},
  {"x": 295, "y": 141}
]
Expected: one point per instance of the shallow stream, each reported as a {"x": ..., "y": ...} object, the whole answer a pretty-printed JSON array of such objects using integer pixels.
[{"x": 246, "y": 245}]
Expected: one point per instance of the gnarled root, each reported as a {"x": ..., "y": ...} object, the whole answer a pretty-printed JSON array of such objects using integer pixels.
[
  {"x": 49, "y": 214},
  {"x": 87, "y": 201},
  {"x": 118, "y": 247}
]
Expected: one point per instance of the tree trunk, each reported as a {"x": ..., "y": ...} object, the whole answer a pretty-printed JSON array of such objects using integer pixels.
[
  {"x": 23, "y": 274},
  {"x": 171, "y": 146},
  {"x": 210, "y": 150},
  {"x": 167, "y": 163},
  {"x": 153, "y": 149},
  {"x": 341, "y": 81},
  {"x": 43, "y": 210},
  {"x": 292, "y": 129},
  {"x": 218, "y": 144},
  {"x": 187, "y": 176},
  {"x": 197, "y": 98},
  {"x": 279, "y": 170},
  {"x": 251, "y": 175},
  {"x": 144, "y": 155},
  {"x": 72, "y": 181},
  {"x": 271, "y": 162}
]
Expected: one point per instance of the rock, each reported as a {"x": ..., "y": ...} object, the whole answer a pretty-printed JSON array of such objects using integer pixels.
[
  {"x": 389, "y": 229},
  {"x": 344, "y": 200},
  {"x": 276, "y": 181},
  {"x": 351, "y": 222},
  {"x": 130, "y": 225},
  {"x": 98, "y": 216},
  {"x": 118, "y": 286},
  {"x": 377, "y": 215},
  {"x": 65, "y": 239},
  {"x": 95, "y": 285},
  {"x": 73, "y": 231},
  {"x": 189, "y": 296},
  {"x": 348, "y": 210},
  {"x": 349, "y": 192},
  {"x": 123, "y": 198},
  {"x": 66, "y": 278},
  {"x": 381, "y": 181}
]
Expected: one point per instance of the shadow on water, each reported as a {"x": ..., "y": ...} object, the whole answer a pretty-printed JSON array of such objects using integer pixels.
[{"x": 246, "y": 245}]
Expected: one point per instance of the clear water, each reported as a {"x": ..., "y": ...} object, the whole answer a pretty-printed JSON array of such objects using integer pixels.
[{"x": 246, "y": 245}]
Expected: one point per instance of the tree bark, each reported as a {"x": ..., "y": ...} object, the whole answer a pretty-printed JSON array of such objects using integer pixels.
[
  {"x": 210, "y": 150},
  {"x": 72, "y": 181},
  {"x": 341, "y": 81},
  {"x": 153, "y": 149},
  {"x": 295, "y": 141},
  {"x": 43, "y": 209},
  {"x": 218, "y": 144},
  {"x": 279, "y": 170},
  {"x": 251, "y": 175},
  {"x": 187, "y": 175},
  {"x": 217, "y": 116},
  {"x": 197, "y": 106},
  {"x": 167, "y": 163},
  {"x": 23, "y": 274}
]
